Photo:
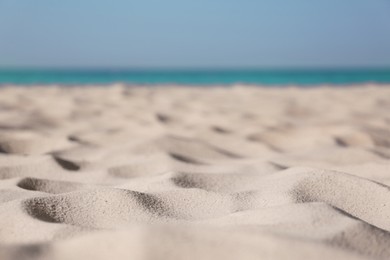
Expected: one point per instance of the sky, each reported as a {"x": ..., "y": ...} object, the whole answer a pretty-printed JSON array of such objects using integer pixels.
[{"x": 194, "y": 33}]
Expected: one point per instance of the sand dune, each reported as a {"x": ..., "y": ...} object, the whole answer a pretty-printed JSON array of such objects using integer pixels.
[{"x": 194, "y": 173}]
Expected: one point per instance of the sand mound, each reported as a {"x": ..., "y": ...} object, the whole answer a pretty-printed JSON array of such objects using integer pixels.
[{"x": 194, "y": 173}]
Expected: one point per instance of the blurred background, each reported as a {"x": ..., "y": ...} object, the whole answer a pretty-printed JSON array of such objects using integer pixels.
[{"x": 201, "y": 42}]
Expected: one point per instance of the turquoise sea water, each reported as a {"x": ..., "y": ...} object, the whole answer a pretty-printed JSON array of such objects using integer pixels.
[{"x": 195, "y": 77}]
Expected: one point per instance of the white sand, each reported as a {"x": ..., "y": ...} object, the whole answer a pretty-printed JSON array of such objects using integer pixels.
[{"x": 194, "y": 173}]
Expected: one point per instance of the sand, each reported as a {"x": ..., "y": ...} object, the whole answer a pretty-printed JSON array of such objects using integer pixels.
[{"x": 194, "y": 173}]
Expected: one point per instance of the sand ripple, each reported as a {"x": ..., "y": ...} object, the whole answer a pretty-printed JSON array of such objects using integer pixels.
[{"x": 191, "y": 173}]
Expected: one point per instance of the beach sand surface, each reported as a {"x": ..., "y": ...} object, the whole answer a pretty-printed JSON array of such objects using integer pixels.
[{"x": 238, "y": 172}]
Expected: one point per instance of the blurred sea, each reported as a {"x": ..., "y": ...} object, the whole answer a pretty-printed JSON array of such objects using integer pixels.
[{"x": 195, "y": 77}]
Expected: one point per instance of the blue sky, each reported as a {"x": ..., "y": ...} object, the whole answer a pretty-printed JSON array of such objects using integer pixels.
[{"x": 194, "y": 34}]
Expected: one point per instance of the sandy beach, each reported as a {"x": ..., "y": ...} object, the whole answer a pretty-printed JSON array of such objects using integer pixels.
[{"x": 237, "y": 172}]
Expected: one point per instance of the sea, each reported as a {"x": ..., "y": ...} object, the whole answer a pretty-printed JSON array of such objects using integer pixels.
[{"x": 275, "y": 77}]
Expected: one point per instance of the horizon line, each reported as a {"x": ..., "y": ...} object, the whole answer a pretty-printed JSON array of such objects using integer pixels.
[{"x": 194, "y": 69}]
